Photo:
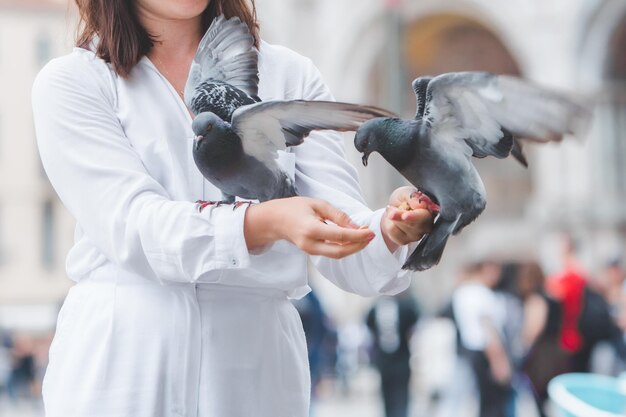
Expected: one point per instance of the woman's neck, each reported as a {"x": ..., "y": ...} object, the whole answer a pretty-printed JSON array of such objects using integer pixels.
[
  {"x": 175, "y": 45},
  {"x": 175, "y": 39}
]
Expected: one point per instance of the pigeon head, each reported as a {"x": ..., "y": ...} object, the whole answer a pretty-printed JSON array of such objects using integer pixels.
[
  {"x": 368, "y": 137},
  {"x": 206, "y": 126}
]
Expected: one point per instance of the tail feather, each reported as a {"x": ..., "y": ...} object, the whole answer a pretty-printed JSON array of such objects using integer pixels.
[{"x": 430, "y": 249}]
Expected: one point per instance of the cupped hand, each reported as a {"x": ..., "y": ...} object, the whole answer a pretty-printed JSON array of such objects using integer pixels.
[
  {"x": 305, "y": 222},
  {"x": 406, "y": 220}
]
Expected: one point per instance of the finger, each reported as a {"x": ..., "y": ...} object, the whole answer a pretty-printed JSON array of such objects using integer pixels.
[
  {"x": 335, "y": 251},
  {"x": 413, "y": 230},
  {"x": 401, "y": 195},
  {"x": 417, "y": 215},
  {"x": 341, "y": 235},
  {"x": 418, "y": 224},
  {"x": 417, "y": 203},
  {"x": 393, "y": 213},
  {"x": 329, "y": 212}
]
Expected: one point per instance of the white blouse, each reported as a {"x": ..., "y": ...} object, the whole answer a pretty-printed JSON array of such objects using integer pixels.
[{"x": 118, "y": 153}]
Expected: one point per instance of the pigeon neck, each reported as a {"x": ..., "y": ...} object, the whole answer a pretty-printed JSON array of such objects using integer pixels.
[
  {"x": 222, "y": 148},
  {"x": 396, "y": 144}
]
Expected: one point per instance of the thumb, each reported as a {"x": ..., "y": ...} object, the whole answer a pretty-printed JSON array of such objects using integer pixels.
[{"x": 329, "y": 212}]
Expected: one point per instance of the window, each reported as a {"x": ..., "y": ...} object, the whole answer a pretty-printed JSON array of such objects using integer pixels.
[{"x": 47, "y": 235}]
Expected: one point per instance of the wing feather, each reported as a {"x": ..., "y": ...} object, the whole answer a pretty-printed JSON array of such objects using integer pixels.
[
  {"x": 226, "y": 53},
  {"x": 487, "y": 112},
  {"x": 268, "y": 127}
]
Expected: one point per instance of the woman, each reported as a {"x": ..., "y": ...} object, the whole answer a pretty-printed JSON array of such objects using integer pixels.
[
  {"x": 544, "y": 358},
  {"x": 180, "y": 312}
]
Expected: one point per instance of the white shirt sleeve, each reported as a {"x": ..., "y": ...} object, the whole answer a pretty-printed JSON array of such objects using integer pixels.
[
  {"x": 323, "y": 172},
  {"x": 101, "y": 180}
]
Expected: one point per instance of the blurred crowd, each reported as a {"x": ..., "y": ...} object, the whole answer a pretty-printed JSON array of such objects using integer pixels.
[
  {"x": 516, "y": 329},
  {"x": 23, "y": 360}
]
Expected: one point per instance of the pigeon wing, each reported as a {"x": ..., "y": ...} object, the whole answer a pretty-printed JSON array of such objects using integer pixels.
[
  {"x": 226, "y": 53},
  {"x": 268, "y": 127},
  {"x": 420, "y": 87},
  {"x": 487, "y": 112},
  {"x": 219, "y": 98}
]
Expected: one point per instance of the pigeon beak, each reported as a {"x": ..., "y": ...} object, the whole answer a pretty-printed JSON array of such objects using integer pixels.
[
  {"x": 365, "y": 157},
  {"x": 197, "y": 141}
]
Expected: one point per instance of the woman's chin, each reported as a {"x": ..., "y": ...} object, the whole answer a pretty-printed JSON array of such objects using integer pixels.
[{"x": 173, "y": 9}]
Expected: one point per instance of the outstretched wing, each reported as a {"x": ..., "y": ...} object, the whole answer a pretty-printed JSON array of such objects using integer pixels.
[
  {"x": 226, "y": 53},
  {"x": 486, "y": 112},
  {"x": 268, "y": 127}
]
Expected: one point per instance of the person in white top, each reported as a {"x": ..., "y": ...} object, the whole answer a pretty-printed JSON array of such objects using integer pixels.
[
  {"x": 178, "y": 312},
  {"x": 480, "y": 319}
]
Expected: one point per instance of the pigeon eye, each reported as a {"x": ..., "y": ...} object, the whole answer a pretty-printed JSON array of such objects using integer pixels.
[{"x": 209, "y": 127}]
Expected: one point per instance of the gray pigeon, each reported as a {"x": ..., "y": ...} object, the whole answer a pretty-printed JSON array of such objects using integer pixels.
[
  {"x": 237, "y": 136},
  {"x": 460, "y": 115}
]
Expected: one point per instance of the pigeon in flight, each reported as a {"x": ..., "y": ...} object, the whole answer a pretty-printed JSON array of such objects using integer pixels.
[
  {"x": 460, "y": 116},
  {"x": 238, "y": 136}
]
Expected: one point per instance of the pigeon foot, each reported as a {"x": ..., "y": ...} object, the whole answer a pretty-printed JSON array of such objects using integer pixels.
[
  {"x": 203, "y": 204},
  {"x": 430, "y": 204},
  {"x": 238, "y": 204}
]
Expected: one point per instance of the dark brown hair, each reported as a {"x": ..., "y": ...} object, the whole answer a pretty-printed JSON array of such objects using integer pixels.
[{"x": 123, "y": 41}]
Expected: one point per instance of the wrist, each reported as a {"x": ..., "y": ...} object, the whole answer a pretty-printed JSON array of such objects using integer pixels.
[
  {"x": 260, "y": 228},
  {"x": 391, "y": 245}
]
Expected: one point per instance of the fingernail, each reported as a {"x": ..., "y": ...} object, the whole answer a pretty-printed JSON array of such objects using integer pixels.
[{"x": 371, "y": 236}]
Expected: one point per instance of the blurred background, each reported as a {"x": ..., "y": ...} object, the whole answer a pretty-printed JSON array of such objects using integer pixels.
[{"x": 534, "y": 288}]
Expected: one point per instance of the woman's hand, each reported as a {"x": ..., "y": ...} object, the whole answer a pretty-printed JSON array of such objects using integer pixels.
[
  {"x": 302, "y": 221},
  {"x": 406, "y": 219}
]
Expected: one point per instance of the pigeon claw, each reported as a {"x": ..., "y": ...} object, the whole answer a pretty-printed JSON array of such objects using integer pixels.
[
  {"x": 423, "y": 198},
  {"x": 203, "y": 204},
  {"x": 238, "y": 204}
]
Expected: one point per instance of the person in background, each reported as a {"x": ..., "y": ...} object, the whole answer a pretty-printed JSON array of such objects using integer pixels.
[
  {"x": 455, "y": 392},
  {"x": 567, "y": 286},
  {"x": 540, "y": 335},
  {"x": 481, "y": 320},
  {"x": 506, "y": 293},
  {"x": 613, "y": 283},
  {"x": 620, "y": 320},
  {"x": 587, "y": 319},
  {"x": 611, "y": 288},
  {"x": 22, "y": 373},
  {"x": 5, "y": 360},
  {"x": 391, "y": 321},
  {"x": 314, "y": 323},
  {"x": 511, "y": 304}
]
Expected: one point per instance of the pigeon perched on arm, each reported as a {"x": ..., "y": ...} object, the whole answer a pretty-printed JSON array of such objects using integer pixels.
[
  {"x": 238, "y": 136},
  {"x": 460, "y": 116}
]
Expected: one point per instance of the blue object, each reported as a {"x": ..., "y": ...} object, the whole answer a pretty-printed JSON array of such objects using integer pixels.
[{"x": 588, "y": 395}]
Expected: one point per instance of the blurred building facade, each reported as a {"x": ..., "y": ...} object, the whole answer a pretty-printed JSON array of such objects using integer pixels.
[
  {"x": 368, "y": 51},
  {"x": 35, "y": 230}
]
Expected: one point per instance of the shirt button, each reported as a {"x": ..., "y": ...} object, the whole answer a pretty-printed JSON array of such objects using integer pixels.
[{"x": 234, "y": 262}]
